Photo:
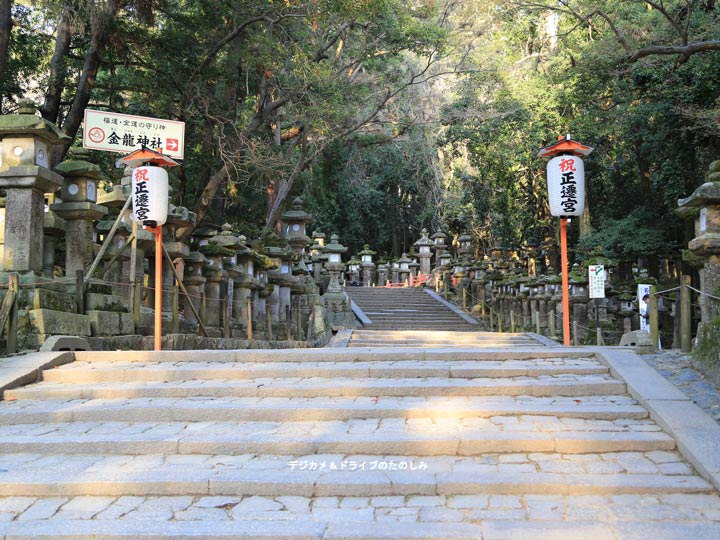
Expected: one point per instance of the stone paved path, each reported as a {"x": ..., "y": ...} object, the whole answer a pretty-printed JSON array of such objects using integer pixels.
[
  {"x": 401, "y": 444},
  {"x": 677, "y": 368}
]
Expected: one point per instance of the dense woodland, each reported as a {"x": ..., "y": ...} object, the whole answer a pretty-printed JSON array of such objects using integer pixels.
[{"x": 389, "y": 116}]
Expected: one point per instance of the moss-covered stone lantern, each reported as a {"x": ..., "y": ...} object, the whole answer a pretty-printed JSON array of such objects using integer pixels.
[
  {"x": 79, "y": 209},
  {"x": 293, "y": 225},
  {"x": 367, "y": 265},
  {"x": 26, "y": 144},
  {"x": 424, "y": 246}
]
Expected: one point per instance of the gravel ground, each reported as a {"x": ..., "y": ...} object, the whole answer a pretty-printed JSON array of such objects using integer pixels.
[{"x": 677, "y": 368}]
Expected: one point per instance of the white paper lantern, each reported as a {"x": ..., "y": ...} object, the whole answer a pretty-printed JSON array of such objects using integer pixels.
[
  {"x": 566, "y": 186},
  {"x": 150, "y": 194}
]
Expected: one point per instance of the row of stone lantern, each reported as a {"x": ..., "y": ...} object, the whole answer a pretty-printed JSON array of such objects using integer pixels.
[{"x": 230, "y": 282}]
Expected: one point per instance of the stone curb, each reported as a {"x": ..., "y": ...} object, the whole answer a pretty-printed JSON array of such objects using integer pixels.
[
  {"x": 359, "y": 313},
  {"x": 452, "y": 307},
  {"x": 547, "y": 342},
  {"x": 340, "y": 340},
  {"x": 696, "y": 433},
  {"x": 27, "y": 368}
]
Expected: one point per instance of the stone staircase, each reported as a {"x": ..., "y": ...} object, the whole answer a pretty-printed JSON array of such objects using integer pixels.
[
  {"x": 494, "y": 444},
  {"x": 406, "y": 308}
]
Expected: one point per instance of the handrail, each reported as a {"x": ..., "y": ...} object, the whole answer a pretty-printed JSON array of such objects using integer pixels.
[{"x": 9, "y": 311}]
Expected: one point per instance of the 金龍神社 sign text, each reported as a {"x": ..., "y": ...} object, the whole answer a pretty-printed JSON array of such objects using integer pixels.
[{"x": 124, "y": 133}]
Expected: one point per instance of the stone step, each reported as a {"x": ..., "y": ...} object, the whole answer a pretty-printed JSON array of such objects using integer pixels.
[
  {"x": 350, "y": 476},
  {"x": 425, "y": 437},
  {"x": 331, "y": 355},
  {"x": 309, "y": 409},
  {"x": 351, "y": 527},
  {"x": 562, "y": 385},
  {"x": 370, "y": 342},
  {"x": 85, "y": 372}
]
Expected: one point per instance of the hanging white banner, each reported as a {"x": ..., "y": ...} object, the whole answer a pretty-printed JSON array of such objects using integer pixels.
[{"x": 566, "y": 186}]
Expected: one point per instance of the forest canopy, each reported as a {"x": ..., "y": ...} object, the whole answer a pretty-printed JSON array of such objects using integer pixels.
[{"x": 390, "y": 116}]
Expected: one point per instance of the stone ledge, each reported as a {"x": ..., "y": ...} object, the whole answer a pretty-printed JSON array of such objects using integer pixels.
[
  {"x": 696, "y": 433},
  {"x": 27, "y": 368}
]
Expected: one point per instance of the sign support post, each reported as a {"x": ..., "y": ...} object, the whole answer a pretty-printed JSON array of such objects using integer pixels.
[{"x": 565, "y": 281}]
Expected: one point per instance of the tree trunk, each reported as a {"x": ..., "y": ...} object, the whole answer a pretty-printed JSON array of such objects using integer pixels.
[
  {"x": 51, "y": 107},
  {"x": 101, "y": 23},
  {"x": 5, "y": 29},
  {"x": 585, "y": 223},
  {"x": 216, "y": 181}
]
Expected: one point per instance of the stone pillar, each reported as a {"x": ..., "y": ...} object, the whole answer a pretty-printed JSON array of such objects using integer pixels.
[
  {"x": 54, "y": 228},
  {"x": 194, "y": 282}
]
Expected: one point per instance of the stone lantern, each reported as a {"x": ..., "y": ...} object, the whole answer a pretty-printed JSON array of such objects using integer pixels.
[
  {"x": 53, "y": 228},
  {"x": 444, "y": 270},
  {"x": 293, "y": 224},
  {"x": 438, "y": 247},
  {"x": 354, "y": 271},
  {"x": 194, "y": 282},
  {"x": 26, "y": 142},
  {"x": 424, "y": 245},
  {"x": 704, "y": 205},
  {"x": 334, "y": 299},
  {"x": 382, "y": 271},
  {"x": 317, "y": 254},
  {"x": 227, "y": 245},
  {"x": 244, "y": 282},
  {"x": 367, "y": 265},
  {"x": 404, "y": 268},
  {"x": 414, "y": 264},
  {"x": 465, "y": 242},
  {"x": 79, "y": 209}
]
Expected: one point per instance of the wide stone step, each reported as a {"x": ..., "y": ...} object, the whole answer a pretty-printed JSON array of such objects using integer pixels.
[
  {"x": 309, "y": 409},
  {"x": 380, "y": 342},
  {"x": 86, "y": 372},
  {"x": 335, "y": 475},
  {"x": 426, "y": 437},
  {"x": 331, "y": 355},
  {"x": 560, "y": 385}
]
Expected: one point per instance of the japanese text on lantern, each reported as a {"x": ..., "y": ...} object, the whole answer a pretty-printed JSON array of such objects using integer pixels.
[
  {"x": 141, "y": 195},
  {"x": 568, "y": 193},
  {"x": 566, "y": 186}
]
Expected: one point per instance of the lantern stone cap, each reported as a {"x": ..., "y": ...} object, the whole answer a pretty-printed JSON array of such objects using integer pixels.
[
  {"x": 318, "y": 234},
  {"x": 53, "y": 224},
  {"x": 78, "y": 167},
  {"x": 565, "y": 145},
  {"x": 112, "y": 199},
  {"x": 146, "y": 155},
  {"x": 79, "y": 210},
  {"x": 354, "y": 260},
  {"x": 367, "y": 251},
  {"x": 195, "y": 257},
  {"x": 26, "y": 122},
  {"x": 180, "y": 217},
  {"x": 709, "y": 192},
  {"x": 424, "y": 240},
  {"x": 334, "y": 246},
  {"x": 204, "y": 231},
  {"x": 404, "y": 259},
  {"x": 226, "y": 238},
  {"x": 465, "y": 238},
  {"x": 297, "y": 212},
  {"x": 438, "y": 234},
  {"x": 33, "y": 176}
]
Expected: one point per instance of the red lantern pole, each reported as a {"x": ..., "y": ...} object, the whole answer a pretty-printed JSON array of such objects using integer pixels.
[
  {"x": 565, "y": 281},
  {"x": 157, "y": 231}
]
